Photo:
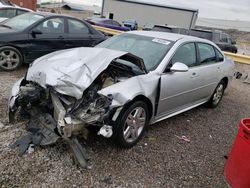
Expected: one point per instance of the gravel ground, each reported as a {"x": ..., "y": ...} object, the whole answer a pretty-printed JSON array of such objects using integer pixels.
[
  {"x": 161, "y": 159},
  {"x": 244, "y": 49}
]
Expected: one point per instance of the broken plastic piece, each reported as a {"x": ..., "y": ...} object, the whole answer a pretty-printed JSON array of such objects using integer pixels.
[
  {"x": 184, "y": 138},
  {"x": 80, "y": 154},
  {"x": 31, "y": 148},
  {"x": 247, "y": 78},
  {"x": 106, "y": 131},
  {"x": 41, "y": 132},
  {"x": 22, "y": 144}
]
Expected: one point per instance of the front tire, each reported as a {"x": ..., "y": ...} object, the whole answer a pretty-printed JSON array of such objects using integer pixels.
[
  {"x": 130, "y": 125},
  {"x": 10, "y": 58},
  {"x": 217, "y": 95}
]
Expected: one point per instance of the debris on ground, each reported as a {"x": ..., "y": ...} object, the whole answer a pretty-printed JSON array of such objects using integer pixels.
[
  {"x": 244, "y": 77},
  {"x": 41, "y": 132},
  {"x": 247, "y": 79},
  {"x": 186, "y": 139},
  {"x": 108, "y": 179},
  {"x": 80, "y": 153},
  {"x": 31, "y": 149}
]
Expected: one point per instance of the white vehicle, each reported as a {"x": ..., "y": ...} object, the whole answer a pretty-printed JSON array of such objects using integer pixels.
[{"x": 8, "y": 11}]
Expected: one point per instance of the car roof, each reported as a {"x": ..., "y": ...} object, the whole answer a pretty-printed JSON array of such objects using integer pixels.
[
  {"x": 99, "y": 19},
  {"x": 49, "y": 14},
  {"x": 167, "y": 36}
]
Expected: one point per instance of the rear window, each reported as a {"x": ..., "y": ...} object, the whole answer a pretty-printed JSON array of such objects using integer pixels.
[
  {"x": 7, "y": 13},
  {"x": 23, "y": 21},
  {"x": 19, "y": 11},
  {"x": 77, "y": 27},
  {"x": 207, "y": 53}
]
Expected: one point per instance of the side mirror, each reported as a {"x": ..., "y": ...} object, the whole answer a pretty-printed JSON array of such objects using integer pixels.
[
  {"x": 36, "y": 32},
  {"x": 233, "y": 42},
  {"x": 179, "y": 67}
]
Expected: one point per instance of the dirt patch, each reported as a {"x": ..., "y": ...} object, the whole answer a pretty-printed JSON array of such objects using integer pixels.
[{"x": 161, "y": 159}]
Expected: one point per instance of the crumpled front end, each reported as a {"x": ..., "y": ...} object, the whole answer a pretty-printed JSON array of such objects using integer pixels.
[
  {"x": 53, "y": 116},
  {"x": 62, "y": 103}
]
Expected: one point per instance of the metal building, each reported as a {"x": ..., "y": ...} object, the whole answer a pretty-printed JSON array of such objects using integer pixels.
[{"x": 149, "y": 13}]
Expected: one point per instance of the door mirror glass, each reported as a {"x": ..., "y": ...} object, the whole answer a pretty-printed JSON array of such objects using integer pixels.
[
  {"x": 179, "y": 67},
  {"x": 233, "y": 42},
  {"x": 36, "y": 32}
]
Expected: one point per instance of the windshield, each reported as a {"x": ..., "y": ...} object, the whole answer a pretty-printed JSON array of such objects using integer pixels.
[
  {"x": 151, "y": 50},
  {"x": 23, "y": 21}
]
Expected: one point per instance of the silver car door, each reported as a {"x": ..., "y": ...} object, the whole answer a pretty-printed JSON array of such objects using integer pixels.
[
  {"x": 209, "y": 69},
  {"x": 180, "y": 90}
]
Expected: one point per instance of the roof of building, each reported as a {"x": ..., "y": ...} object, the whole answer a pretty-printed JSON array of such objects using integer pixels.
[
  {"x": 158, "y": 5},
  {"x": 74, "y": 6}
]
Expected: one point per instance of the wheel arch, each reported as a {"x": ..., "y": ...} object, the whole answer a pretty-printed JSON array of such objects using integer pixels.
[
  {"x": 148, "y": 103},
  {"x": 225, "y": 79}
]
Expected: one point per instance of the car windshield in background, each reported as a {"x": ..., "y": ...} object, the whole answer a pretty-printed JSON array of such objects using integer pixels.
[
  {"x": 151, "y": 50},
  {"x": 23, "y": 21}
]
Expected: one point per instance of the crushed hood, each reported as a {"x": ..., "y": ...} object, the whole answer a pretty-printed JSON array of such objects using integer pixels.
[{"x": 71, "y": 71}]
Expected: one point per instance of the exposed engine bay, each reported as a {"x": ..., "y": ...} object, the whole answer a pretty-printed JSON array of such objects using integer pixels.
[{"x": 54, "y": 116}]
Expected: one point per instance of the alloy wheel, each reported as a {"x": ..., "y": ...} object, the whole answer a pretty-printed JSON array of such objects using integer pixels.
[
  {"x": 218, "y": 94},
  {"x": 9, "y": 59},
  {"x": 134, "y": 124}
]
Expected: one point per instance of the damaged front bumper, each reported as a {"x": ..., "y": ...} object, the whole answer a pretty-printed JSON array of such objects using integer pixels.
[
  {"x": 65, "y": 92},
  {"x": 53, "y": 116}
]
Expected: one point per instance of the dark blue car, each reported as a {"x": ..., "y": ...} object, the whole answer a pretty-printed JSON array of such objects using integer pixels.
[{"x": 132, "y": 24}]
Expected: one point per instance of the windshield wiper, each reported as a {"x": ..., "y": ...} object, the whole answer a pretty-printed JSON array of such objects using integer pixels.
[{"x": 6, "y": 26}]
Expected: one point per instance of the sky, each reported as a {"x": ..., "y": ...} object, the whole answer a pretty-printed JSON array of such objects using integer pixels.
[{"x": 218, "y": 9}]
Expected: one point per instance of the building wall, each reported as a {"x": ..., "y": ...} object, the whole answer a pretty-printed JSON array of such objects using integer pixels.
[
  {"x": 30, "y": 4},
  {"x": 147, "y": 14}
]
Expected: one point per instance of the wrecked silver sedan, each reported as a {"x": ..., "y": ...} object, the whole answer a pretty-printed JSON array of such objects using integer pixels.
[{"x": 121, "y": 86}]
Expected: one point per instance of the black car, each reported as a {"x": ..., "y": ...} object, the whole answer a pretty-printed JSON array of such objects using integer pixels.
[{"x": 29, "y": 36}]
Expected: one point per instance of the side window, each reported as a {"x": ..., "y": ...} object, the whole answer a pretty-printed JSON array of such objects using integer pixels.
[
  {"x": 19, "y": 12},
  {"x": 207, "y": 53},
  {"x": 224, "y": 38},
  {"x": 7, "y": 13},
  {"x": 185, "y": 54},
  {"x": 217, "y": 37},
  {"x": 229, "y": 40},
  {"x": 3, "y": 13},
  {"x": 77, "y": 27},
  {"x": 220, "y": 57},
  {"x": 109, "y": 22},
  {"x": 54, "y": 25},
  {"x": 115, "y": 23}
]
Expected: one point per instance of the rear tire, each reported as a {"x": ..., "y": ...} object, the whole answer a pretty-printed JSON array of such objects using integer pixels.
[
  {"x": 130, "y": 125},
  {"x": 217, "y": 95},
  {"x": 10, "y": 58}
]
